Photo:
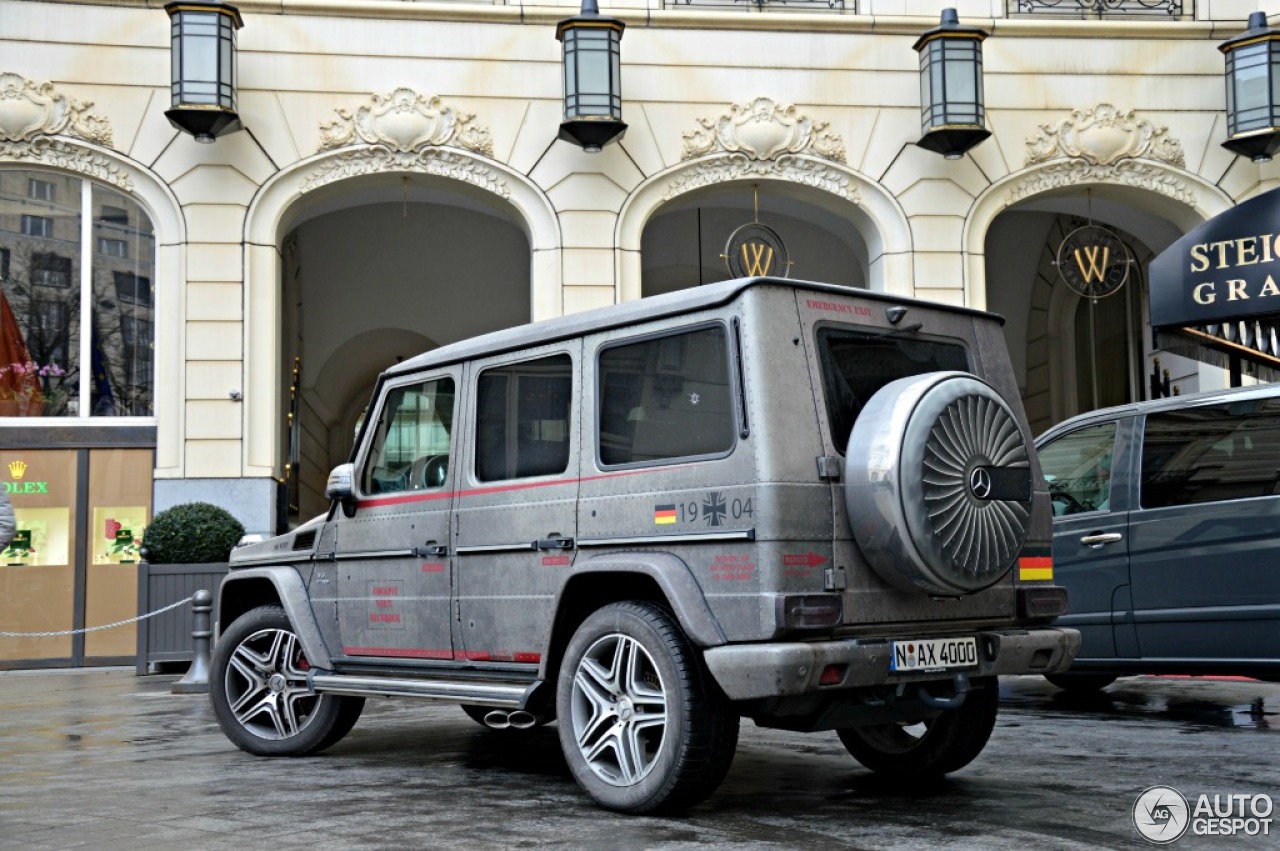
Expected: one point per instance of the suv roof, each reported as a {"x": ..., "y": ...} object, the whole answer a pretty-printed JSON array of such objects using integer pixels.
[
  {"x": 628, "y": 313},
  {"x": 1171, "y": 403}
]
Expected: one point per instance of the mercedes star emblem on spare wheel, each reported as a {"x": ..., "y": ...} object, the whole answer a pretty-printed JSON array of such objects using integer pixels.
[{"x": 980, "y": 482}]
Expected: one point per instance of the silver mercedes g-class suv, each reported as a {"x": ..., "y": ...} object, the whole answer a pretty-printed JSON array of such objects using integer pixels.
[{"x": 807, "y": 505}]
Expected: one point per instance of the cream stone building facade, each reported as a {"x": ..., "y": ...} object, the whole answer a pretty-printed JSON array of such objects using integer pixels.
[{"x": 399, "y": 185}]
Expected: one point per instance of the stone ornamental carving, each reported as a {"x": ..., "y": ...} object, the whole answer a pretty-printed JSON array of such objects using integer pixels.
[
  {"x": 1142, "y": 175},
  {"x": 28, "y": 111},
  {"x": 1104, "y": 136},
  {"x": 739, "y": 167},
  {"x": 40, "y": 126},
  {"x": 405, "y": 121},
  {"x": 763, "y": 130},
  {"x": 439, "y": 162}
]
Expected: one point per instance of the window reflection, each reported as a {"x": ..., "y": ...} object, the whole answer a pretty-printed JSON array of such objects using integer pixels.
[{"x": 43, "y": 249}]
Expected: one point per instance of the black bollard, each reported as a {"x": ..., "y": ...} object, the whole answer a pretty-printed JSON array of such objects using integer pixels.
[{"x": 196, "y": 680}]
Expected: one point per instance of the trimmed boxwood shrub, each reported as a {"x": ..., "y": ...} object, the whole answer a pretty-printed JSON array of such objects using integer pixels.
[{"x": 191, "y": 533}]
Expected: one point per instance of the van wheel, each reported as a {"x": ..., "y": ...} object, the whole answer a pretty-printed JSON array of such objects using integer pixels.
[
  {"x": 1080, "y": 683},
  {"x": 643, "y": 726},
  {"x": 931, "y": 748},
  {"x": 258, "y": 688}
]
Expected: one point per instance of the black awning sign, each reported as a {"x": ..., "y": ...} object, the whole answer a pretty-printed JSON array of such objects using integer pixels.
[{"x": 1226, "y": 269}]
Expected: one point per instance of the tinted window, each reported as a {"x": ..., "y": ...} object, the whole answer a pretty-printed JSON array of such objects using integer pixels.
[
  {"x": 855, "y": 364},
  {"x": 522, "y": 419},
  {"x": 666, "y": 397},
  {"x": 1077, "y": 467},
  {"x": 1208, "y": 454},
  {"x": 411, "y": 443}
]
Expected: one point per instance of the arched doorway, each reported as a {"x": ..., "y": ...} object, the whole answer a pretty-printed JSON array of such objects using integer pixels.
[
  {"x": 375, "y": 270},
  {"x": 1073, "y": 353},
  {"x": 684, "y": 243}
]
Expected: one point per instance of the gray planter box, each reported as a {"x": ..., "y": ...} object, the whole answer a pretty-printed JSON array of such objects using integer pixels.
[{"x": 166, "y": 638}]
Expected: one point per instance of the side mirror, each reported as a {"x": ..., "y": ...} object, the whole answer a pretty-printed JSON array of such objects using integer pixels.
[{"x": 341, "y": 488}]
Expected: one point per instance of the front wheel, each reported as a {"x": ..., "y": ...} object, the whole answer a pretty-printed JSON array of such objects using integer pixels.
[
  {"x": 259, "y": 691},
  {"x": 643, "y": 726},
  {"x": 929, "y": 748}
]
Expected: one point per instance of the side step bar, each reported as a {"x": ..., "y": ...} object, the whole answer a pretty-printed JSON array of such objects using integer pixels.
[{"x": 505, "y": 695}]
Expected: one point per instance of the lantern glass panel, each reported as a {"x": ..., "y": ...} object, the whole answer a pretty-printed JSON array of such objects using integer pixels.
[
  {"x": 951, "y": 83},
  {"x": 1249, "y": 90},
  {"x": 591, "y": 73}
]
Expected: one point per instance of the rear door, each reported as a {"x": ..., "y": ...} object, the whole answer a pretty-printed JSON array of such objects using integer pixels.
[
  {"x": 516, "y": 523},
  {"x": 1205, "y": 546},
  {"x": 1084, "y": 470}
]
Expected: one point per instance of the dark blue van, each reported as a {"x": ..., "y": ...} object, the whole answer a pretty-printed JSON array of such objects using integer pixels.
[{"x": 1166, "y": 533}]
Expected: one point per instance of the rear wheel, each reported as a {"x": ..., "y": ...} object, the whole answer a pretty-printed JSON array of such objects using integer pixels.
[
  {"x": 930, "y": 748},
  {"x": 643, "y": 726},
  {"x": 1080, "y": 683},
  {"x": 259, "y": 691}
]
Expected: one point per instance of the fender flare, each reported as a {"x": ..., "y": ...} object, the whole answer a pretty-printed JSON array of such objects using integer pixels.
[
  {"x": 673, "y": 577},
  {"x": 292, "y": 593}
]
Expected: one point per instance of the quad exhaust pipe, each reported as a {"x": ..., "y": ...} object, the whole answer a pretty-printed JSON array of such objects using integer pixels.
[{"x": 501, "y": 719}]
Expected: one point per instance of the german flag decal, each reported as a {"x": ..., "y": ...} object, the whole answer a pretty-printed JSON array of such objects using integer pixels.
[
  {"x": 1035, "y": 567},
  {"x": 664, "y": 515}
]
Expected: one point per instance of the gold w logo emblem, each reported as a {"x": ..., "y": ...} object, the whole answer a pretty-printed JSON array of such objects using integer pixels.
[
  {"x": 1087, "y": 261},
  {"x": 17, "y": 469},
  {"x": 757, "y": 257}
]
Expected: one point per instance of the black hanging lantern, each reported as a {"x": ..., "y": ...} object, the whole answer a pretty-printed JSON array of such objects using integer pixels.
[
  {"x": 1253, "y": 99},
  {"x": 592, "y": 78},
  {"x": 203, "y": 68},
  {"x": 951, "y": 109}
]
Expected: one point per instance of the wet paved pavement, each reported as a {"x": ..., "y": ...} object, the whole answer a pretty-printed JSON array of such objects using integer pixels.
[{"x": 105, "y": 760}]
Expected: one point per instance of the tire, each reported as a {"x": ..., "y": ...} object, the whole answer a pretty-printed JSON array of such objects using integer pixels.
[
  {"x": 1080, "y": 683},
  {"x": 257, "y": 685},
  {"x": 938, "y": 484},
  {"x": 928, "y": 749},
  {"x": 658, "y": 740}
]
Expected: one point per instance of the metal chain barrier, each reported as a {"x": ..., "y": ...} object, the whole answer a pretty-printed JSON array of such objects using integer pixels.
[{"x": 95, "y": 628}]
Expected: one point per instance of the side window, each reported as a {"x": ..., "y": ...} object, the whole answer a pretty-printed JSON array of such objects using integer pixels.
[
  {"x": 855, "y": 364},
  {"x": 522, "y": 419},
  {"x": 1209, "y": 454},
  {"x": 1077, "y": 467},
  {"x": 411, "y": 440},
  {"x": 666, "y": 397}
]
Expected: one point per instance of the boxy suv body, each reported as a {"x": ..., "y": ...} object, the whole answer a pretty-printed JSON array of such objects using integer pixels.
[
  {"x": 1166, "y": 528},
  {"x": 807, "y": 505}
]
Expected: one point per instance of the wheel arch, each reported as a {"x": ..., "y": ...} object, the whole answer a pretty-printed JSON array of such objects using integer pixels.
[
  {"x": 244, "y": 590},
  {"x": 660, "y": 578}
]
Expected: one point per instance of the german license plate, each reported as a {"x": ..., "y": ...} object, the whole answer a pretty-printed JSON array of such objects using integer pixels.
[{"x": 934, "y": 654}]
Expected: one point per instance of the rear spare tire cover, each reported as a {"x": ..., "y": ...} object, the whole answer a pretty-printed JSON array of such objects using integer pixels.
[{"x": 938, "y": 484}]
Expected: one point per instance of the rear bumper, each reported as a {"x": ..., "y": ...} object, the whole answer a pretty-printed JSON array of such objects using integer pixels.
[{"x": 753, "y": 671}]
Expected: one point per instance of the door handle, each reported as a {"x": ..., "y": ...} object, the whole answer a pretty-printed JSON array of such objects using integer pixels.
[
  {"x": 1099, "y": 538},
  {"x": 553, "y": 544},
  {"x": 431, "y": 551}
]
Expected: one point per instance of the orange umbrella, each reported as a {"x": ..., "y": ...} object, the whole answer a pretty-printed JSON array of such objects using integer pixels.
[{"x": 19, "y": 381}]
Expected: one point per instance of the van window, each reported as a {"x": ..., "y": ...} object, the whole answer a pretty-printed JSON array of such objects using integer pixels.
[
  {"x": 855, "y": 364},
  {"x": 666, "y": 397},
  {"x": 1211, "y": 453},
  {"x": 1077, "y": 467},
  {"x": 522, "y": 419},
  {"x": 411, "y": 444}
]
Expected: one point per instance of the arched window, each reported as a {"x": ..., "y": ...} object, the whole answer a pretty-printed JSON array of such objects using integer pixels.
[{"x": 77, "y": 317}]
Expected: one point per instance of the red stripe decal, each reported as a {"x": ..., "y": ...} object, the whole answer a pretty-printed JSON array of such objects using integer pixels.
[
  {"x": 1035, "y": 561},
  {"x": 403, "y": 499},
  {"x": 411, "y": 652}
]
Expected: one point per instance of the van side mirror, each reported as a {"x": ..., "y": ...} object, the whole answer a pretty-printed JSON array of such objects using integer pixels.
[{"x": 341, "y": 487}]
